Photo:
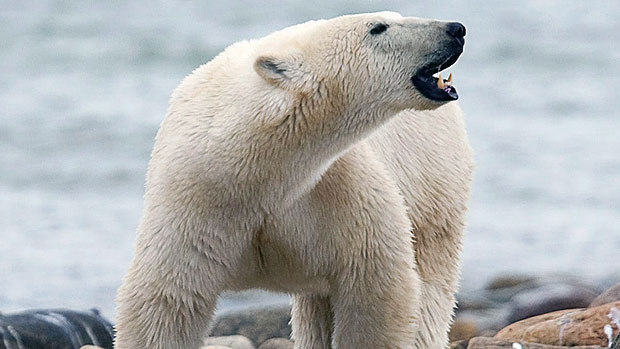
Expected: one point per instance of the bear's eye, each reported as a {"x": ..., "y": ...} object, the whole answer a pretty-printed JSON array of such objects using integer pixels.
[{"x": 378, "y": 29}]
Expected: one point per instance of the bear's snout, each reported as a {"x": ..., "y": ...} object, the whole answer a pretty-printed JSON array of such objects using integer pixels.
[{"x": 457, "y": 31}]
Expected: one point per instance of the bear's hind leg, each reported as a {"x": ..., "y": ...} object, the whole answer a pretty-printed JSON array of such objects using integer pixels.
[{"x": 312, "y": 322}]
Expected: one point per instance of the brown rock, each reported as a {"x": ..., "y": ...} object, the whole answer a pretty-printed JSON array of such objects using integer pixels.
[
  {"x": 494, "y": 343},
  {"x": 567, "y": 327},
  {"x": 462, "y": 329},
  {"x": 611, "y": 295},
  {"x": 277, "y": 343}
]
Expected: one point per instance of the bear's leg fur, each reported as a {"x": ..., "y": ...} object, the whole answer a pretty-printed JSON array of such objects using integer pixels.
[
  {"x": 162, "y": 316},
  {"x": 312, "y": 322},
  {"x": 428, "y": 152},
  {"x": 377, "y": 310},
  {"x": 374, "y": 283},
  {"x": 170, "y": 292},
  {"x": 437, "y": 252}
]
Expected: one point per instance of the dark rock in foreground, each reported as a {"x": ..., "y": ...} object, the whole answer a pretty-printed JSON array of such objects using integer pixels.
[{"x": 54, "y": 329}]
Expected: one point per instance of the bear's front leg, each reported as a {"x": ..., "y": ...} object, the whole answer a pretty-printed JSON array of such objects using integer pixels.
[
  {"x": 170, "y": 292},
  {"x": 376, "y": 306},
  {"x": 438, "y": 251},
  {"x": 165, "y": 316},
  {"x": 365, "y": 235},
  {"x": 312, "y": 322}
]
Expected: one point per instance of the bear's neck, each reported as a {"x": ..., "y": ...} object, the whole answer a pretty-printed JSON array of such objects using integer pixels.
[{"x": 311, "y": 140}]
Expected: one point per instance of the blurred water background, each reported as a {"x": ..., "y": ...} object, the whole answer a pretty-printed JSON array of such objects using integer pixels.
[{"x": 84, "y": 86}]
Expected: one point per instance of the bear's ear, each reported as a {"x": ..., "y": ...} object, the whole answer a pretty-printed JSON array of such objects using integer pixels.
[
  {"x": 283, "y": 72},
  {"x": 273, "y": 70}
]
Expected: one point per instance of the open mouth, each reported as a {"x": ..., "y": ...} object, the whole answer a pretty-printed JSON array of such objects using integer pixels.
[{"x": 433, "y": 87}]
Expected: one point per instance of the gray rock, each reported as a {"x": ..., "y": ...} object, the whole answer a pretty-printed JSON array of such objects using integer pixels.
[
  {"x": 277, "y": 343},
  {"x": 548, "y": 298},
  {"x": 610, "y": 295},
  {"x": 257, "y": 324},
  {"x": 501, "y": 289},
  {"x": 234, "y": 342},
  {"x": 474, "y": 300}
]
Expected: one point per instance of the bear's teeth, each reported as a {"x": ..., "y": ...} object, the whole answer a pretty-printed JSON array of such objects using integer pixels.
[
  {"x": 450, "y": 79},
  {"x": 440, "y": 83}
]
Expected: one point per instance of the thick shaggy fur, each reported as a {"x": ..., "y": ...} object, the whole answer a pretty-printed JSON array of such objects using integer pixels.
[{"x": 296, "y": 163}]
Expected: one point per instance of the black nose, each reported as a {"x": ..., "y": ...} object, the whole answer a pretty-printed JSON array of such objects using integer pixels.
[{"x": 456, "y": 29}]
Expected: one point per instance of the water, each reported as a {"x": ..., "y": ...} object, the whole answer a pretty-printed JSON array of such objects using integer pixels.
[{"x": 83, "y": 89}]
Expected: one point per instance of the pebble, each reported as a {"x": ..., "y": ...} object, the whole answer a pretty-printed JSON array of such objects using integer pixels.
[
  {"x": 277, "y": 343},
  {"x": 234, "y": 342}
]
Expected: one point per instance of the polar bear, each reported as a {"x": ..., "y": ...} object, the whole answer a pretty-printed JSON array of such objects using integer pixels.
[{"x": 323, "y": 160}]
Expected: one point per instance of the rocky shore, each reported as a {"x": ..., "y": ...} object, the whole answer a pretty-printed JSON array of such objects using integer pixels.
[
  {"x": 515, "y": 311},
  {"x": 512, "y": 311}
]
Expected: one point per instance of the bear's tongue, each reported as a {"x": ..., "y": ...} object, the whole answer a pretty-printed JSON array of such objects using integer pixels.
[{"x": 445, "y": 85}]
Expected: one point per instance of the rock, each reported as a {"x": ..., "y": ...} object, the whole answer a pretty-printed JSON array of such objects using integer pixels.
[
  {"x": 462, "y": 329},
  {"x": 277, "y": 343},
  {"x": 234, "y": 342},
  {"x": 59, "y": 328},
  {"x": 216, "y": 347},
  {"x": 609, "y": 280},
  {"x": 474, "y": 301},
  {"x": 548, "y": 298},
  {"x": 503, "y": 288},
  {"x": 487, "y": 321},
  {"x": 611, "y": 295},
  {"x": 462, "y": 344},
  {"x": 568, "y": 327},
  {"x": 256, "y": 324},
  {"x": 90, "y": 347},
  {"x": 510, "y": 281},
  {"x": 494, "y": 343}
]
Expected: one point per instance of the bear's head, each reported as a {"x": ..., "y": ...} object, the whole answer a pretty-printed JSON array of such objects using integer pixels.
[{"x": 373, "y": 62}]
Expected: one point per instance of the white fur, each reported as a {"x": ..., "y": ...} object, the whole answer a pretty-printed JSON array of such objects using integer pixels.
[{"x": 282, "y": 164}]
